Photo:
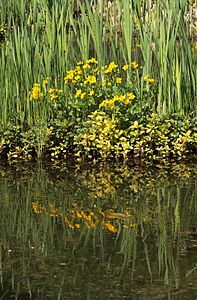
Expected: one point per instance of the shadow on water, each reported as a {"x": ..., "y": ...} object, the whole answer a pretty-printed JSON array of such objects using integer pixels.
[{"x": 103, "y": 232}]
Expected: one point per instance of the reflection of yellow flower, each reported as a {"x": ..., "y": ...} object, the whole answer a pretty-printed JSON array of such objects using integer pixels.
[
  {"x": 77, "y": 226},
  {"x": 37, "y": 207},
  {"x": 54, "y": 212},
  {"x": 110, "y": 227},
  {"x": 125, "y": 226},
  {"x": 78, "y": 214}
]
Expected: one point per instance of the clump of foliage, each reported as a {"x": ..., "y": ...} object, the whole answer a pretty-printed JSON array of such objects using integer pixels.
[{"x": 99, "y": 113}]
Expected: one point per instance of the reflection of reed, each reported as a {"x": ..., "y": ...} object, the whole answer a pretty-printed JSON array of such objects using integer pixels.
[{"x": 134, "y": 234}]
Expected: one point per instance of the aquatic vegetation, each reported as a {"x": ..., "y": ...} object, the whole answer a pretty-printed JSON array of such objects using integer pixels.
[
  {"x": 76, "y": 218},
  {"x": 55, "y": 221}
]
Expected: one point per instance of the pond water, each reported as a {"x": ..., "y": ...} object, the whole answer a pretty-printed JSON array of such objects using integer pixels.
[{"x": 98, "y": 232}]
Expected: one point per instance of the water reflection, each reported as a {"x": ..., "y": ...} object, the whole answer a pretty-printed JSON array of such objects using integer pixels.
[{"x": 120, "y": 232}]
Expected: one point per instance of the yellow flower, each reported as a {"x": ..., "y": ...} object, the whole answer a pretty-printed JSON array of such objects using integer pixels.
[
  {"x": 116, "y": 98},
  {"x": 111, "y": 104},
  {"x": 78, "y": 93},
  {"x": 54, "y": 93},
  {"x": 78, "y": 70},
  {"x": 122, "y": 97},
  {"x": 134, "y": 65},
  {"x": 65, "y": 80},
  {"x": 91, "y": 93},
  {"x": 91, "y": 61},
  {"x": 77, "y": 77},
  {"x": 53, "y": 96},
  {"x": 83, "y": 95},
  {"x": 45, "y": 81},
  {"x": 126, "y": 101},
  {"x": 130, "y": 96},
  {"x": 90, "y": 79},
  {"x": 110, "y": 67},
  {"x": 118, "y": 79},
  {"x": 102, "y": 104},
  {"x": 71, "y": 74},
  {"x": 148, "y": 80},
  {"x": 86, "y": 66},
  {"x": 96, "y": 70},
  {"x": 125, "y": 67},
  {"x": 36, "y": 93},
  {"x": 80, "y": 63}
]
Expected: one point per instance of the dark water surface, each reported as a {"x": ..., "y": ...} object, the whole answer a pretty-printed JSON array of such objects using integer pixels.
[{"x": 102, "y": 232}]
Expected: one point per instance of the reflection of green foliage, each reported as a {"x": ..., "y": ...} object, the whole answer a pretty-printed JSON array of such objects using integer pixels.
[{"x": 75, "y": 215}]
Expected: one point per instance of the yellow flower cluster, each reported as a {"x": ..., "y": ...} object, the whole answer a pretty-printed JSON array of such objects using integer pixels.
[
  {"x": 109, "y": 69},
  {"x": 36, "y": 93},
  {"x": 125, "y": 99},
  {"x": 133, "y": 66},
  {"x": 45, "y": 82},
  {"x": 74, "y": 76},
  {"x": 54, "y": 93},
  {"x": 148, "y": 79},
  {"x": 70, "y": 76},
  {"x": 90, "y": 79},
  {"x": 118, "y": 79}
]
